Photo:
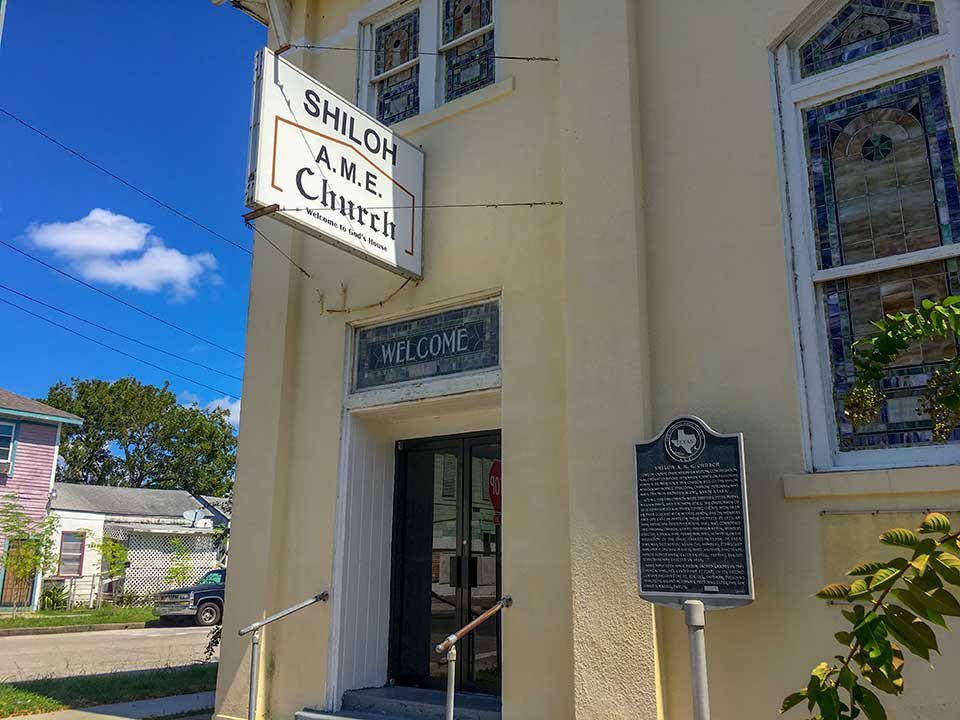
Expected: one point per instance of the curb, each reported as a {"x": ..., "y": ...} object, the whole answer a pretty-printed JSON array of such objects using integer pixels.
[{"x": 9, "y": 632}]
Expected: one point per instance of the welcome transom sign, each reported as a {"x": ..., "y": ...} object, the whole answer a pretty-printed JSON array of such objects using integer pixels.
[{"x": 455, "y": 341}]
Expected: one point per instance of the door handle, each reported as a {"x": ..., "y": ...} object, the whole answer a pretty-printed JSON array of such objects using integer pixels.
[{"x": 474, "y": 571}]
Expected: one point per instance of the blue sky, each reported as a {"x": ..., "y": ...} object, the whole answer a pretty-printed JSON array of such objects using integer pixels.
[{"x": 160, "y": 94}]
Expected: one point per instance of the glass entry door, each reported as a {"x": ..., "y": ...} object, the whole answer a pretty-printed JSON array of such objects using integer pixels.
[{"x": 446, "y": 560}]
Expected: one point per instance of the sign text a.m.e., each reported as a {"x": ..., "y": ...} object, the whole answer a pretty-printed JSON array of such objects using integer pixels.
[{"x": 333, "y": 171}]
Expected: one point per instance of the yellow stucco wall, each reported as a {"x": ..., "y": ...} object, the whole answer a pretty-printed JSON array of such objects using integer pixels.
[{"x": 659, "y": 288}]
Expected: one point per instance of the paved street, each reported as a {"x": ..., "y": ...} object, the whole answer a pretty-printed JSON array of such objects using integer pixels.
[{"x": 27, "y": 657}]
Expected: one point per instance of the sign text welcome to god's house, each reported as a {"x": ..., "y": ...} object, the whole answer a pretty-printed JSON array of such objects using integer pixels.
[{"x": 334, "y": 171}]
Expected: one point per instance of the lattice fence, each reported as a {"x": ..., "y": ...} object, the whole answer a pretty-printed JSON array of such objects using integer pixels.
[{"x": 152, "y": 554}]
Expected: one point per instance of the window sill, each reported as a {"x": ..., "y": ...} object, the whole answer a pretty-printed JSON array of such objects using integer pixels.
[
  {"x": 413, "y": 125},
  {"x": 895, "y": 481}
]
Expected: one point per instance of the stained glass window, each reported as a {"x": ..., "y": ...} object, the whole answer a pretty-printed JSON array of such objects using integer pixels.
[
  {"x": 864, "y": 28},
  {"x": 469, "y": 65},
  {"x": 398, "y": 42},
  {"x": 883, "y": 182}
]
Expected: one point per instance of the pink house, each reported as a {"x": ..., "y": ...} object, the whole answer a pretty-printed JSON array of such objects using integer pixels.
[{"x": 29, "y": 447}]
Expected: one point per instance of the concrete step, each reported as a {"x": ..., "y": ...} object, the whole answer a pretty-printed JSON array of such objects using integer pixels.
[{"x": 401, "y": 703}]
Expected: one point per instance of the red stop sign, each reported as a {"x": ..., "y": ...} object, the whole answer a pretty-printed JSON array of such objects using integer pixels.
[{"x": 493, "y": 490}]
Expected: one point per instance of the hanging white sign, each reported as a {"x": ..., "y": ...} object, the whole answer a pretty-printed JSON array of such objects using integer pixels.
[{"x": 333, "y": 171}]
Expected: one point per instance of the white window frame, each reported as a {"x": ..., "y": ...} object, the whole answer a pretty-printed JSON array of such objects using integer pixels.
[
  {"x": 794, "y": 96},
  {"x": 431, "y": 57},
  {"x": 13, "y": 439},
  {"x": 79, "y": 557}
]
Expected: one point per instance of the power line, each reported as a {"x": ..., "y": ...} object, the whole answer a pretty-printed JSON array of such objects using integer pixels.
[
  {"x": 101, "y": 168},
  {"x": 117, "y": 350},
  {"x": 119, "y": 300},
  {"x": 530, "y": 58},
  {"x": 543, "y": 203},
  {"x": 119, "y": 334}
]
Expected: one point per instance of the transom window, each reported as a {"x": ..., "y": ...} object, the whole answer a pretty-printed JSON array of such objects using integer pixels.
[
  {"x": 423, "y": 54},
  {"x": 872, "y": 185},
  {"x": 71, "y": 554},
  {"x": 6, "y": 441}
]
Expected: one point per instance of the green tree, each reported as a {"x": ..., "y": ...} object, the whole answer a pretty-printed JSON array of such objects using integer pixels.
[
  {"x": 113, "y": 556},
  {"x": 137, "y": 435},
  {"x": 29, "y": 547},
  {"x": 895, "y": 603},
  {"x": 940, "y": 399},
  {"x": 179, "y": 571}
]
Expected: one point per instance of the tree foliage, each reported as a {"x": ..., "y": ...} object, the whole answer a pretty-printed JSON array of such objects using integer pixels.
[
  {"x": 896, "y": 332},
  {"x": 179, "y": 571},
  {"x": 138, "y": 435},
  {"x": 894, "y": 605},
  {"x": 30, "y": 545}
]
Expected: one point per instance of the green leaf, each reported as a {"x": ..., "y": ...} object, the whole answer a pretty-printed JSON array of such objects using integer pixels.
[
  {"x": 900, "y": 537},
  {"x": 884, "y": 579},
  {"x": 908, "y": 597},
  {"x": 859, "y": 589},
  {"x": 836, "y": 591},
  {"x": 947, "y": 566},
  {"x": 847, "y": 680},
  {"x": 854, "y": 615},
  {"x": 941, "y": 601},
  {"x": 792, "y": 700},
  {"x": 908, "y": 635},
  {"x": 936, "y": 523},
  {"x": 829, "y": 702},
  {"x": 866, "y": 568},
  {"x": 870, "y": 704},
  {"x": 844, "y": 638}
]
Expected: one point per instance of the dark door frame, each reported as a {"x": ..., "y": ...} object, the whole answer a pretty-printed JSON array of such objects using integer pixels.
[{"x": 463, "y": 444}]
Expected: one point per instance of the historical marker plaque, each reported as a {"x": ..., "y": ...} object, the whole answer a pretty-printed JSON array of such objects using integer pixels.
[{"x": 693, "y": 531}]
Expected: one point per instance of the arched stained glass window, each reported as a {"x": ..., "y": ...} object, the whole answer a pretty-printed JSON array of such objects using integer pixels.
[
  {"x": 469, "y": 63},
  {"x": 397, "y": 43},
  {"x": 867, "y": 27},
  {"x": 883, "y": 173},
  {"x": 872, "y": 181}
]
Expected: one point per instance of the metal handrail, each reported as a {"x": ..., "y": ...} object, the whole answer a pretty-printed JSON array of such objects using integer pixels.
[
  {"x": 255, "y": 645},
  {"x": 449, "y": 646},
  {"x": 322, "y": 597}
]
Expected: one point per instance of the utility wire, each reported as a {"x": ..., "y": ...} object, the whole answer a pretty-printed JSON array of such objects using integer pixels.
[
  {"x": 122, "y": 302},
  {"x": 118, "y": 334},
  {"x": 547, "y": 203},
  {"x": 531, "y": 58},
  {"x": 101, "y": 168},
  {"x": 117, "y": 350}
]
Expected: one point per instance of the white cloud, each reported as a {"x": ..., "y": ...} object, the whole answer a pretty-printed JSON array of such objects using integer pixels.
[
  {"x": 101, "y": 232},
  {"x": 115, "y": 249},
  {"x": 185, "y": 397},
  {"x": 226, "y": 403}
]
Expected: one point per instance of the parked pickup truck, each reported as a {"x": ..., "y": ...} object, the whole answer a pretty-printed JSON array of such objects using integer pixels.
[{"x": 204, "y": 601}]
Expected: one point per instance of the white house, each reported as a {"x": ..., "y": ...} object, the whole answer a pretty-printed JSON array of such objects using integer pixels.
[{"x": 153, "y": 525}]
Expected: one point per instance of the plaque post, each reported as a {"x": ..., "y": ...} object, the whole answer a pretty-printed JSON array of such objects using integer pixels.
[{"x": 695, "y": 617}]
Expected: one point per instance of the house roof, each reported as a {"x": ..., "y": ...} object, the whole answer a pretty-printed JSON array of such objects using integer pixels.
[
  {"x": 20, "y": 406},
  {"x": 141, "y": 502}
]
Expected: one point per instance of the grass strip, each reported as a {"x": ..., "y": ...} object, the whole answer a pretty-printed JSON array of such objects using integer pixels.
[
  {"x": 48, "y": 695},
  {"x": 61, "y": 618}
]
